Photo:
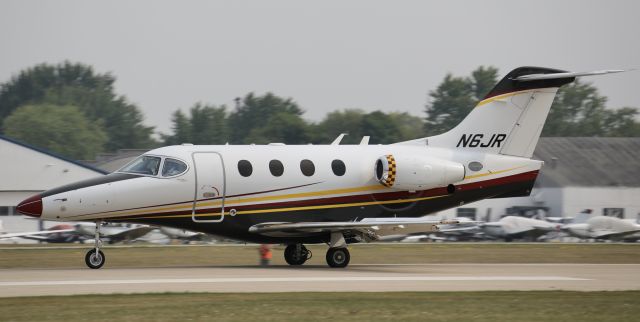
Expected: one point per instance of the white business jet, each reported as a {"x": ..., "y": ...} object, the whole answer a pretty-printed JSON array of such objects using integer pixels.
[
  {"x": 514, "y": 227},
  {"x": 320, "y": 193}
]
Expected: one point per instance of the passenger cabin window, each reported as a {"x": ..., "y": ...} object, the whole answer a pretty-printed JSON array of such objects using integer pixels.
[
  {"x": 145, "y": 164},
  {"x": 307, "y": 167},
  {"x": 276, "y": 168},
  {"x": 173, "y": 167},
  {"x": 338, "y": 167},
  {"x": 245, "y": 168}
]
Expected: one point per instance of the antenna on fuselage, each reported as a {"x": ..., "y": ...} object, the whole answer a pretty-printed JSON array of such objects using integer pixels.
[
  {"x": 338, "y": 139},
  {"x": 365, "y": 140}
]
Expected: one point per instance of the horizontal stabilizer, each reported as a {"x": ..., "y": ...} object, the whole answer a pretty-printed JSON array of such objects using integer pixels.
[{"x": 532, "y": 77}]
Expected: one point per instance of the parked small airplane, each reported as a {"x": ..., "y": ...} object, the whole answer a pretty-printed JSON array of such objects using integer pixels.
[
  {"x": 57, "y": 234},
  {"x": 603, "y": 227},
  {"x": 514, "y": 227},
  {"x": 113, "y": 233},
  {"x": 187, "y": 236},
  {"x": 320, "y": 193}
]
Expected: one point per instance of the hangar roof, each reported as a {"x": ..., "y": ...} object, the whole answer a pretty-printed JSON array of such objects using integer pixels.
[
  {"x": 26, "y": 169},
  {"x": 589, "y": 161}
]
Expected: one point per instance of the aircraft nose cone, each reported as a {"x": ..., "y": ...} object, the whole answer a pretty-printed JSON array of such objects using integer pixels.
[{"x": 31, "y": 206}]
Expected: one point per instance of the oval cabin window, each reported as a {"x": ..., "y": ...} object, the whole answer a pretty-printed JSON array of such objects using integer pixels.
[
  {"x": 307, "y": 167},
  {"x": 338, "y": 167},
  {"x": 276, "y": 168},
  {"x": 245, "y": 168},
  {"x": 475, "y": 166}
]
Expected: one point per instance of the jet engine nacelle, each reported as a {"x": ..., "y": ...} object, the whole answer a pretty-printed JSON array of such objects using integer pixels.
[{"x": 417, "y": 173}]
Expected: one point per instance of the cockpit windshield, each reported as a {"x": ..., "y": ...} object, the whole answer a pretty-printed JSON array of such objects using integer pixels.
[
  {"x": 173, "y": 167},
  {"x": 145, "y": 164}
]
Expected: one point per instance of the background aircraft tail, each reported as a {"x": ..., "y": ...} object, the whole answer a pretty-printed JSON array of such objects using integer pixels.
[{"x": 510, "y": 118}]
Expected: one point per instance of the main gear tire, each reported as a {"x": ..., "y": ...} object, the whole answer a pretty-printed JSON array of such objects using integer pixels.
[{"x": 338, "y": 257}]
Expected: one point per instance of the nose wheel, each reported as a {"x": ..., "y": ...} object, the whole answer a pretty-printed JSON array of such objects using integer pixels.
[{"x": 95, "y": 257}]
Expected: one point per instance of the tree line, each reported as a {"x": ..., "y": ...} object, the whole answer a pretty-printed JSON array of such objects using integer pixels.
[{"x": 72, "y": 110}]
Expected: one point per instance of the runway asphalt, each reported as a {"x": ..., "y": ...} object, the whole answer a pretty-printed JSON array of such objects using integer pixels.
[{"x": 368, "y": 278}]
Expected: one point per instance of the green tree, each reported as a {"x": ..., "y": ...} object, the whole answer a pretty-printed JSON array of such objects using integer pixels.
[
  {"x": 579, "y": 110},
  {"x": 383, "y": 128},
  {"x": 410, "y": 127},
  {"x": 283, "y": 128},
  {"x": 61, "y": 129},
  {"x": 78, "y": 85},
  {"x": 206, "y": 124},
  {"x": 345, "y": 121},
  {"x": 622, "y": 122},
  {"x": 455, "y": 97},
  {"x": 255, "y": 112}
]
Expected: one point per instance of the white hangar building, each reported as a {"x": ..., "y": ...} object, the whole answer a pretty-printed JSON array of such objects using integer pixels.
[
  {"x": 601, "y": 174},
  {"x": 26, "y": 170}
]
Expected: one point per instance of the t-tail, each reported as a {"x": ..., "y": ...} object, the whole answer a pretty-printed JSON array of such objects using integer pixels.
[{"x": 510, "y": 118}]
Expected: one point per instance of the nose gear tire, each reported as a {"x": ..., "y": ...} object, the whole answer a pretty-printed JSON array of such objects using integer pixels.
[{"x": 94, "y": 260}]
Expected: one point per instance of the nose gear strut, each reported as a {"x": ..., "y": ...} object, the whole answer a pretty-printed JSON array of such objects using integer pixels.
[{"x": 95, "y": 257}]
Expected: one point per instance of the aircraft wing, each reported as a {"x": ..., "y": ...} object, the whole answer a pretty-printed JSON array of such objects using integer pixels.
[
  {"x": 612, "y": 234},
  {"x": 34, "y": 233},
  {"x": 462, "y": 230},
  {"x": 370, "y": 229},
  {"x": 130, "y": 234}
]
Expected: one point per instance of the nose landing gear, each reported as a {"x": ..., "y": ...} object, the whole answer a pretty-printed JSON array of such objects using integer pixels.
[{"x": 95, "y": 257}]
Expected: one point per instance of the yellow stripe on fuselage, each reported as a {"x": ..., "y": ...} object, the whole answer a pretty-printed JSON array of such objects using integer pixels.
[
  {"x": 228, "y": 201},
  {"x": 492, "y": 172},
  {"x": 262, "y": 211}
]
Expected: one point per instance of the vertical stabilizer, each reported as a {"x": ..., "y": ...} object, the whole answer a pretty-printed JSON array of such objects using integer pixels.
[{"x": 510, "y": 118}]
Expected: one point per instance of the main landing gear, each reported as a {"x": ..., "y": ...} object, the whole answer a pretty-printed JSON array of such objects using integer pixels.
[
  {"x": 95, "y": 257},
  {"x": 296, "y": 254},
  {"x": 337, "y": 256}
]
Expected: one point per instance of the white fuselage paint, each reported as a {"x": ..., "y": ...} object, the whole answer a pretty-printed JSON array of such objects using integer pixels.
[{"x": 147, "y": 194}]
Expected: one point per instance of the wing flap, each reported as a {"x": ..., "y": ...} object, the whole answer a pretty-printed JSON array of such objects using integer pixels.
[{"x": 377, "y": 228}]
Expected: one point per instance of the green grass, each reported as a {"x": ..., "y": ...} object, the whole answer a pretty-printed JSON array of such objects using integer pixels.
[
  {"x": 21, "y": 257},
  {"x": 406, "y": 306}
]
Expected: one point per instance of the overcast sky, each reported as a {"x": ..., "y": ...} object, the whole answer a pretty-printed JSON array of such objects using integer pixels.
[{"x": 327, "y": 55}]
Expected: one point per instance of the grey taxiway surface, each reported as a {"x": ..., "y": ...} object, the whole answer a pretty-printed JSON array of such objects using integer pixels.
[{"x": 385, "y": 277}]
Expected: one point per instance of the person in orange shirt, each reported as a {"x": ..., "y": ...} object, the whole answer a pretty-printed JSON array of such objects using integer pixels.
[{"x": 265, "y": 254}]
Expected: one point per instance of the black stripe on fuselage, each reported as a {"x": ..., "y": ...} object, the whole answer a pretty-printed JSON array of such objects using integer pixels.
[{"x": 113, "y": 177}]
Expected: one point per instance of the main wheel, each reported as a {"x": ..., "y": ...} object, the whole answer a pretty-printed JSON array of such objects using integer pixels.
[
  {"x": 94, "y": 259},
  {"x": 338, "y": 257},
  {"x": 295, "y": 256}
]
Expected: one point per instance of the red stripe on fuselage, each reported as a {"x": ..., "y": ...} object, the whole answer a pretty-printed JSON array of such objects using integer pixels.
[{"x": 385, "y": 196}]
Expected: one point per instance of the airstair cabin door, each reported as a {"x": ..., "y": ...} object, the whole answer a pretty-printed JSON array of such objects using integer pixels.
[{"x": 210, "y": 187}]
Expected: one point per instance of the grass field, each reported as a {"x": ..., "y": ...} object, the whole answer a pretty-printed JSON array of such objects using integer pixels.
[
  {"x": 465, "y": 306},
  {"x": 138, "y": 256}
]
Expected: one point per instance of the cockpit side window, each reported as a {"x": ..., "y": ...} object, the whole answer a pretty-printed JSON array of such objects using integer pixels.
[
  {"x": 173, "y": 167},
  {"x": 146, "y": 165}
]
